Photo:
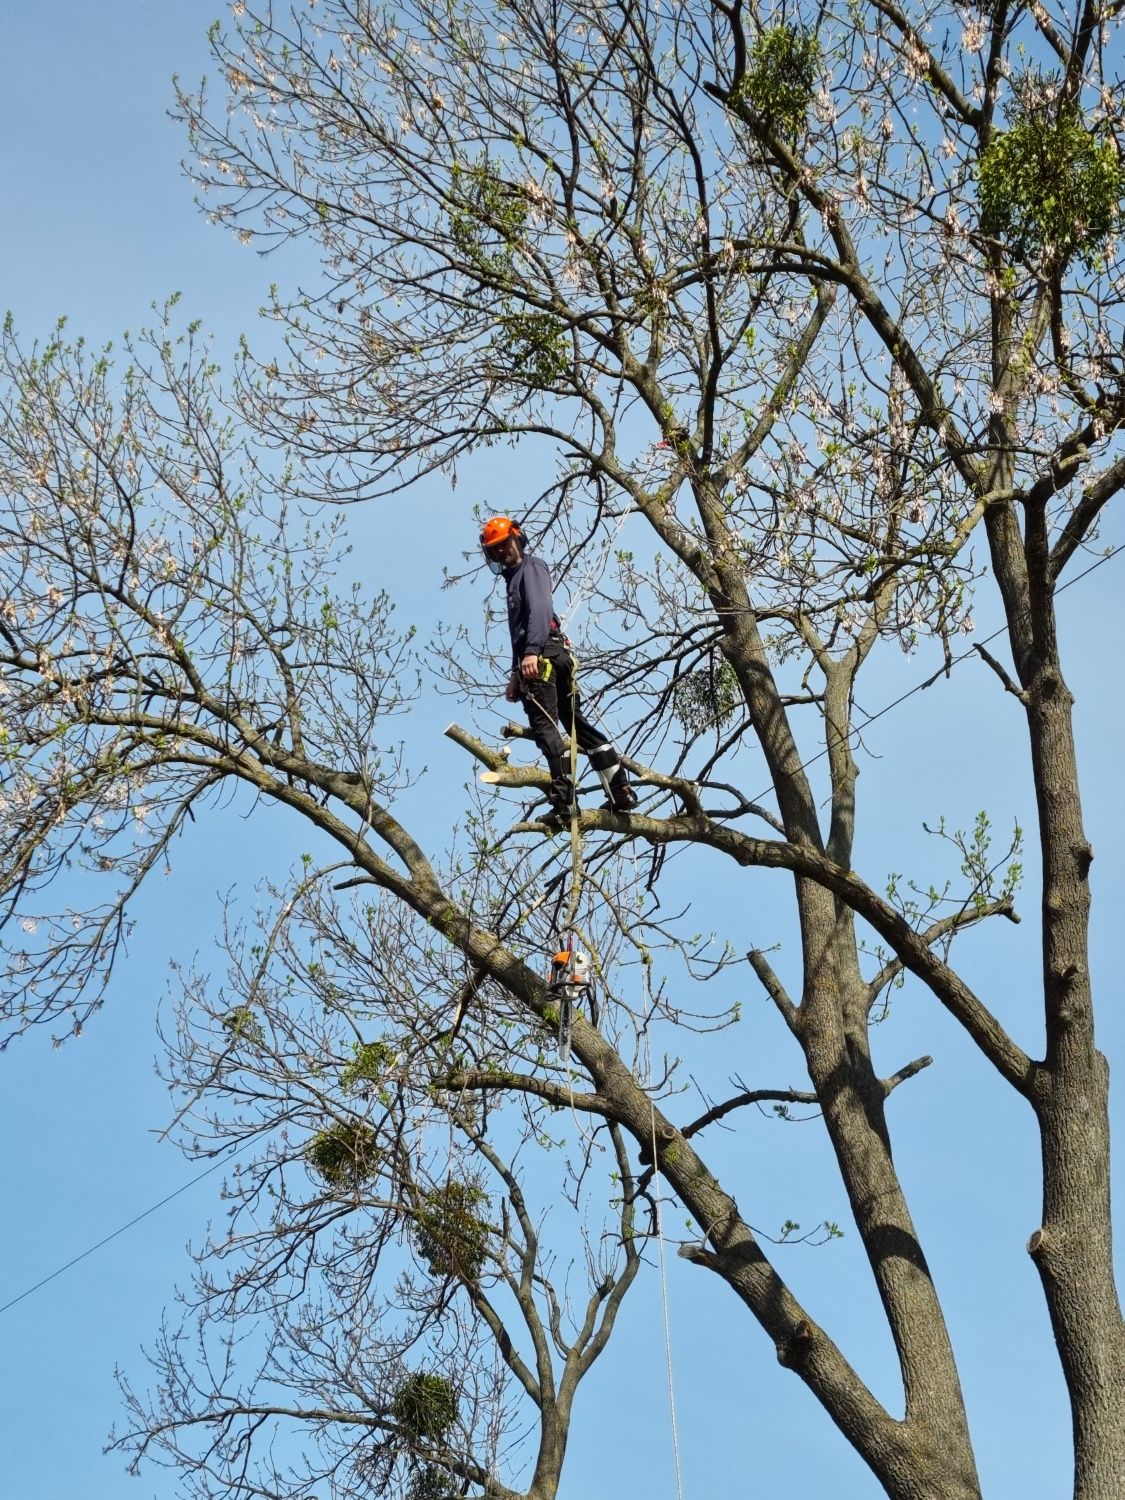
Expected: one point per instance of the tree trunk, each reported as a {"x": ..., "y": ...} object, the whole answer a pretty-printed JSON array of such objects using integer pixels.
[
  {"x": 1073, "y": 1249},
  {"x": 936, "y": 1456}
]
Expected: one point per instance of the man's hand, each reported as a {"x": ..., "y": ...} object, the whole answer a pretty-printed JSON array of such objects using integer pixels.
[
  {"x": 529, "y": 668},
  {"x": 512, "y": 691}
]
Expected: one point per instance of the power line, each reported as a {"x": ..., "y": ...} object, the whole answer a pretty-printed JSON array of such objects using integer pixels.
[
  {"x": 944, "y": 670},
  {"x": 947, "y": 667},
  {"x": 122, "y": 1228}
]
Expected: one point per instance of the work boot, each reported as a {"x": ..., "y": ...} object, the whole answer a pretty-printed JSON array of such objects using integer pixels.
[
  {"x": 561, "y": 796},
  {"x": 622, "y": 797},
  {"x": 558, "y": 818},
  {"x": 560, "y": 793}
]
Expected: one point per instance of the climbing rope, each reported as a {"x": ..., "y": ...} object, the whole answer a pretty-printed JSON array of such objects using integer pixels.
[
  {"x": 565, "y": 1020},
  {"x": 664, "y": 1301},
  {"x": 565, "y": 984},
  {"x": 575, "y": 836},
  {"x": 591, "y": 577},
  {"x": 575, "y": 894}
]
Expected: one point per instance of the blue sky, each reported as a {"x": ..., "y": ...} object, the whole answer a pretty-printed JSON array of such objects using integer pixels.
[{"x": 99, "y": 223}]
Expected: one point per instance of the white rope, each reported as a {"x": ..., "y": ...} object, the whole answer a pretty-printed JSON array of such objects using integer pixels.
[
  {"x": 592, "y": 575},
  {"x": 645, "y": 1048},
  {"x": 667, "y": 1319},
  {"x": 577, "y": 602}
]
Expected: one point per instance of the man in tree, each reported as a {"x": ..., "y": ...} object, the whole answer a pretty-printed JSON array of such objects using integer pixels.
[
  {"x": 544, "y": 674},
  {"x": 715, "y": 258}
]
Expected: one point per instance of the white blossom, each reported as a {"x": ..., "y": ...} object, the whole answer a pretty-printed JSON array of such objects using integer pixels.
[
  {"x": 916, "y": 59},
  {"x": 823, "y": 107},
  {"x": 918, "y": 512}
]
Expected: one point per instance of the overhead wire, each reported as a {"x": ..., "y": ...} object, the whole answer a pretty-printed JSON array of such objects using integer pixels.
[
  {"x": 943, "y": 671},
  {"x": 592, "y": 574},
  {"x": 137, "y": 1218},
  {"x": 902, "y": 698}
]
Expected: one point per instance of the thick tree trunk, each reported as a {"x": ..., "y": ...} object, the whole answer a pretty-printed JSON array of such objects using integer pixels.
[
  {"x": 1073, "y": 1249},
  {"x": 936, "y": 1457},
  {"x": 552, "y": 1451},
  {"x": 931, "y": 1455}
]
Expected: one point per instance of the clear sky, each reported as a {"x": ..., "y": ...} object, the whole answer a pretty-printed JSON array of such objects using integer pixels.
[{"x": 98, "y": 223}]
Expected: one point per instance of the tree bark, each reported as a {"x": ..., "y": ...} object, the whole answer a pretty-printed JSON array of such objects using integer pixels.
[
  {"x": 938, "y": 1456},
  {"x": 1073, "y": 1248}
]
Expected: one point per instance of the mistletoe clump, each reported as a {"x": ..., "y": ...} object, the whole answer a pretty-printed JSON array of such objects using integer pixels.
[
  {"x": 431, "y": 1483},
  {"x": 344, "y": 1155},
  {"x": 425, "y": 1406},
  {"x": 779, "y": 78},
  {"x": 1048, "y": 185},
  {"x": 537, "y": 347},
  {"x": 488, "y": 220},
  {"x": 450, "y": 1235},
  {"x": 706, "y": 699},
  {"x": 371, "y": 1063},
  {"x": 242, "y": 1025}
]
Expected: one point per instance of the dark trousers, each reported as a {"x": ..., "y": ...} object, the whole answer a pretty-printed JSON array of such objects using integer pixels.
[{"x": 553, "y": 698}]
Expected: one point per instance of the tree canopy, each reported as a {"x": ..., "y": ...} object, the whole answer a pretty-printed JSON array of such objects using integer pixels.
[{"x": 823, "y": 304}]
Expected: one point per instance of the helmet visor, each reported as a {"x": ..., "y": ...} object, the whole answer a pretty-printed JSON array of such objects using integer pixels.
[{"x": 502, "y": 553}]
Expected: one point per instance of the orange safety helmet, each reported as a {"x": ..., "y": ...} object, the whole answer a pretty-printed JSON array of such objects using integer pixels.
[{"x": 498, "y": 529}]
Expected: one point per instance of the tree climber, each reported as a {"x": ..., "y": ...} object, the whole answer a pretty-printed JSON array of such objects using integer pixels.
[{"x": 544, "y": 674}]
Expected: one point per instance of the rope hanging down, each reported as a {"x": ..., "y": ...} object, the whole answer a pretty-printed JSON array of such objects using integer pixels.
[
  {"x": 591, "y": 576},
  {"x": 575, "y": 836},
  {"x": 664, "y": 1302},
  {"x": 569, "y": 979}
]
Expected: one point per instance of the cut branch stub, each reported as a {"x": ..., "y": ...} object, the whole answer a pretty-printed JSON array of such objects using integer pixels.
[{"x": 793, "y": 1351}]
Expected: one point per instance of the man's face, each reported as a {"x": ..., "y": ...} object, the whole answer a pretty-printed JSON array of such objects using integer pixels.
[{"x": 507, "y": 552}]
